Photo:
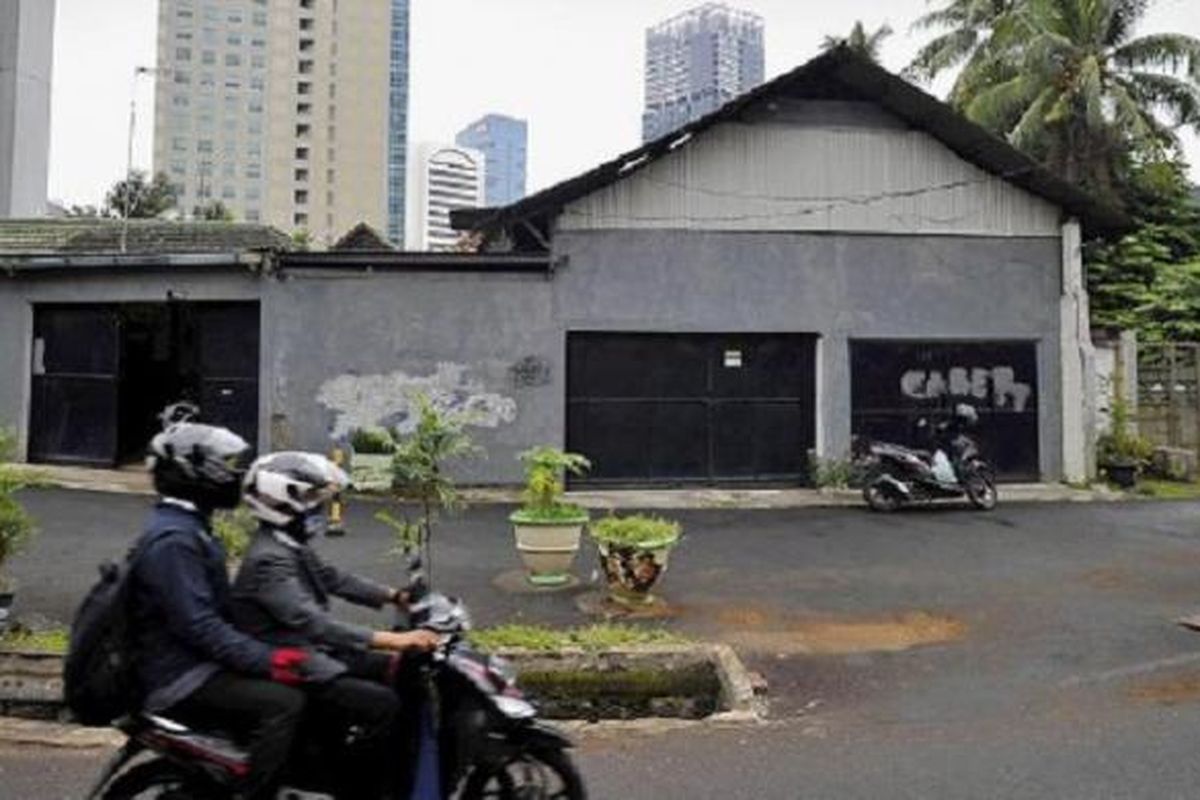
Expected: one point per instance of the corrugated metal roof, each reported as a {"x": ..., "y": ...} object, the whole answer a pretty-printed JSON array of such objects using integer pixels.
[
  {"x": 89, "y": 236},
  {"x": 839, "y": 74}
]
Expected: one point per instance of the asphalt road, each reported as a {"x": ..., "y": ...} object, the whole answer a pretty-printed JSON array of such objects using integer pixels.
[{"x": 1027, "y": 653}]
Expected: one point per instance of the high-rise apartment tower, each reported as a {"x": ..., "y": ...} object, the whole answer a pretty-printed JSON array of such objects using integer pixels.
[
  {"x": 289, "y": 112},
  {"x": 698, "y": 61},
  {"x": 446, "y": 177}
]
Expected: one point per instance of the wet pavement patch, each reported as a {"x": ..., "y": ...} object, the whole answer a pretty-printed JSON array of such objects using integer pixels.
[
  {"x": 790, "y": 634},
  {"x": 1168, "y": 691}
]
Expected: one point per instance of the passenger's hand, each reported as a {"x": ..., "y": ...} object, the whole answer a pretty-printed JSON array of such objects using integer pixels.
[{"x": 287, "y": 666}]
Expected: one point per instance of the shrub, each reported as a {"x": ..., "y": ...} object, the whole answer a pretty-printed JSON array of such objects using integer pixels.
[
  {"x": 636, "y": 530},
  {"x": 234, "y": 529},
  {"x": 590, "y": 638},
  {"x": 376, "y": 441},
  {"x": 546, "y": 469},
  {"x": 1120, "y": 446}
]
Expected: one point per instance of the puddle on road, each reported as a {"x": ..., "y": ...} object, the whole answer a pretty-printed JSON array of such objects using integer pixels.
[
  {"x": 758, "y": 630},
  {"x": 1168, "y": 692}
]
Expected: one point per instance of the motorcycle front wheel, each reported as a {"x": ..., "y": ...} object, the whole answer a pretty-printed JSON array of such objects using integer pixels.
[
  {"x": 156, "y": 779},
  {"x": 540, "y": 775},
  {"x": 880, "y": 497}
]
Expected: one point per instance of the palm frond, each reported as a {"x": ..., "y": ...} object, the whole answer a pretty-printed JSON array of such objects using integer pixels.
[
  {"x": 1163, "y": 51},
  {"x": 1178, "y": 98},
  {"x": 944, "y": 52},
  {"x": 1032, "y": 124}
]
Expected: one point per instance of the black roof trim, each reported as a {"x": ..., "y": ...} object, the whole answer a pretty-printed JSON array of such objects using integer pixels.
[
  {"x": 862, "y": 77},
  {"x": 391, "y": 260}
]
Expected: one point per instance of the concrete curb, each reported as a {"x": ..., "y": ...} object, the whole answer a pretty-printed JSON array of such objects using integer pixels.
[
  {"x": 32, "y": 680},
  {"x": 137, "y": 482}
]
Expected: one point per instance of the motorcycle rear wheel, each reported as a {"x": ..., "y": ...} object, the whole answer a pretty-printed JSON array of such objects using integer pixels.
[
  {"x": 540, "y": 775},
  {"x": 156, "y": 779},
  {"x": 879, "y": 497}
]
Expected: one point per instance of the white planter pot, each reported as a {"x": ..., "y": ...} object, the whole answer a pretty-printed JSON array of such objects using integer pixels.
[{"x": 548, "y": 549}]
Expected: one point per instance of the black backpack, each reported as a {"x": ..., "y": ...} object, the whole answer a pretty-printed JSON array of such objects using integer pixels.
[{"x": 100, "y": 681}]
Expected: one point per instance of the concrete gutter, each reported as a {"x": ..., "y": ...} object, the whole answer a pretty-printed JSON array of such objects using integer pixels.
[{"x": 137, "y": 481}]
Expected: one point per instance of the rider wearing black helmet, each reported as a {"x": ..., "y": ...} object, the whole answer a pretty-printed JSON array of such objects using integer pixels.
[{"x": 194, "y": 666}]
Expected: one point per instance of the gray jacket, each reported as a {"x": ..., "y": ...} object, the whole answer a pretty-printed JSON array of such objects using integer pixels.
[{"x": 281, "y": 596}]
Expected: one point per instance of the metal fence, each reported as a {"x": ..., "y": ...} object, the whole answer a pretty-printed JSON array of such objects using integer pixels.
[{"x": 1168, "y": 410}]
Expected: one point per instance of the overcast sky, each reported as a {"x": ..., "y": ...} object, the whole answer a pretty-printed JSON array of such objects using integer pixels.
[{"x": 573, "y": 68}]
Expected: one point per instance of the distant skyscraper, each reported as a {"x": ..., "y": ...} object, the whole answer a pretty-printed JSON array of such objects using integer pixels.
[
  {"x": 502, "y": 140},
  {"x": 290, "y": 112},
  {"x": 698, "y": 61},
  {"x": 447, "y": 177},
  {"x": 397, "y": 165},
  {"x": 26, "y": 53}
]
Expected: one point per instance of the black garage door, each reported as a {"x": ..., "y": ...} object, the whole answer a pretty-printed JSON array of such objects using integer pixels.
[
  {"x": 896, "y": 383},
  {"x": 101, "y": 374},
  {"x": 648, "y": 408}
]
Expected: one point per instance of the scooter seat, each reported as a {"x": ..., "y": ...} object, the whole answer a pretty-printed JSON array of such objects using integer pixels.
[{"x": 161, "y": 733}]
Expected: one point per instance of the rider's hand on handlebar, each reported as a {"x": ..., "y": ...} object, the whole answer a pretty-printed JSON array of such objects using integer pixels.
[{"x": 406, "y": 640}]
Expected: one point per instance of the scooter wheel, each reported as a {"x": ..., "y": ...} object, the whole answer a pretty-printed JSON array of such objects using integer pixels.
[
  {"x": 545, "y": 774},
  {"x": 880, "y": 497},
  {"x": 981, "y": 491},
  {"x": 158, "y": 778}
]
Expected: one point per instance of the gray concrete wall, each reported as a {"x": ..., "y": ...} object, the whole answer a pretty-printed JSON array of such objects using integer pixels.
[
  {"x": 838, "y": 286},
  {"x": 348, "y": 350},
  {"x": 26, "y": 57}
]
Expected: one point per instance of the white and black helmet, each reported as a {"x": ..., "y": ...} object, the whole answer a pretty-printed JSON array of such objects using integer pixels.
[
  {"x": 281, "y": 489},
  {"x": 202, "y": 464}
]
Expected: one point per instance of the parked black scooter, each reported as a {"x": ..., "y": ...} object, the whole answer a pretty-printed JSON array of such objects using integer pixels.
[
  {"x": 479, "y": 737},
  {"x": 898, "y": 476}
]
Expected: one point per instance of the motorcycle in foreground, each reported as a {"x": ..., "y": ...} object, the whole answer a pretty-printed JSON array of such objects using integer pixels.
[
  {"x": 479, "y": 737},
  {"x": 896, "y": 476}
]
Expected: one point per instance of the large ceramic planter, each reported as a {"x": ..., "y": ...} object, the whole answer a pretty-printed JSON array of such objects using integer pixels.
[
  {"x": 371, "y": 470},
  {"x": 1122, "y": 474},
  {"x": 547, "y": 547},
  {"x": 632, "y": 570}
]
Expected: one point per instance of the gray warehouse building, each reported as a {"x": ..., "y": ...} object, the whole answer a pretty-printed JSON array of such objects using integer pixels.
[{"x": 833, "y": 253}]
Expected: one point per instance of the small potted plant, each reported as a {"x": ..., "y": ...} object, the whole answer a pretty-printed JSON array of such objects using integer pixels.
[
  {"x": 633, "y": 554},
  {"x": 372, "y": 450},
  {"x": 547, "y": 530},
  {"x": 1121, "y": 453}
]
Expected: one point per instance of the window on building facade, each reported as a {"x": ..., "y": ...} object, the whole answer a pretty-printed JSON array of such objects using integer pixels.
[
  {"x": 302, "y": 154},
  {"x": 204, "y": 146},
  {"x": 306, "y": 24},
  {"x": 183, "y": 54},
  {"x": 260, "y": 19},
  {"x": 302, "y": 175},
  {"x": 300, "y": 219},
  {"x": 306, "y": 45},
  {"x": 305, "y": 67},
  {"x": 183, "y": 77},
  {"x": 229, "y": 193},
  {"x": 258, "y": 62},
  {"x": 303, "y": 130},
  {"x": 233, "y": 60},
  {"x": 304, "y": 109},
  {"x": 303, "y": 87},
  {"x": 208, "y": 57},
  {"x": 253, "y": 215},
  {"x": 181, "y": 101}
]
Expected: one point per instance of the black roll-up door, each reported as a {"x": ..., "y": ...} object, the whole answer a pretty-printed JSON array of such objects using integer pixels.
[
  {"x": 894, "y": 383},
  {"x": 76, "y": 364},
  {"x": 648, "y": 408}
]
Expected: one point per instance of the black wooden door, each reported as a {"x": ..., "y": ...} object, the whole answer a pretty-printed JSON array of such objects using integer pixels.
[
  {"x": 76, "y": 366},
  {"x": 895, "y": 383},
  {"x": 649, "y": 408},
  {"x": 226, "y": 339}
]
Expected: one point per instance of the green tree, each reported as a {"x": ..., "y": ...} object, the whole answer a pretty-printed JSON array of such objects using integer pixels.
[
  {"x": 860, "y": 41},
  {"x": 137, "y": 198},
  {"x": 213, "y": 211},
  {"x": 1067, "y": 82}
]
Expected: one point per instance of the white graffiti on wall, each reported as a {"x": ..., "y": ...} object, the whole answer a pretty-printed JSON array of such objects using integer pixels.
[
  {"x": 998, "y": 384},
  {"x": 369, "y": 401}
]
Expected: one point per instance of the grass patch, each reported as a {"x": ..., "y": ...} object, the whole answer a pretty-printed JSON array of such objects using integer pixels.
[
  {"x": 1168, "y": 490},
  {"x": 590, "y": 638},
  {"x": 53, "y": 640}
]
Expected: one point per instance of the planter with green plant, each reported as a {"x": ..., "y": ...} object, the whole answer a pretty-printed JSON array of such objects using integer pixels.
[
  {"x": 633, "y": 554},
  {"x": 547, "y": 530},
  {"x": 1121, "y": 453},
  {"x": 16, "y": 526},
  {"x": 371, "y": 459}
]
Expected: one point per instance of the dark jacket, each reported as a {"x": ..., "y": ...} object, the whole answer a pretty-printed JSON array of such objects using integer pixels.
[
  {"x": 182, "y": 618},
  {"x": 281, "y": 595}
]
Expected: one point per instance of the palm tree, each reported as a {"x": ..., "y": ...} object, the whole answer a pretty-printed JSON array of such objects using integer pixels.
[
  {"x": 860, "y": 41},
  {"x": 968, "y": 27},
  {"x": 1066, "y": 81}
]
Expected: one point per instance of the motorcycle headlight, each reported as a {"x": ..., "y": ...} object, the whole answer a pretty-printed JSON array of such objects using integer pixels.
[{"x": 514, "y": 708}]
